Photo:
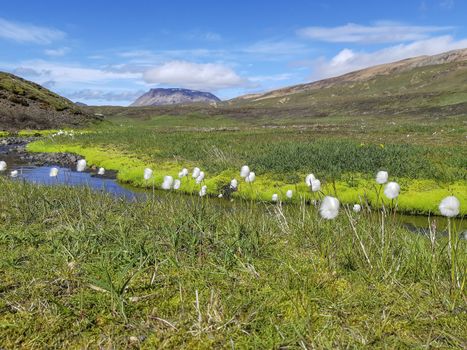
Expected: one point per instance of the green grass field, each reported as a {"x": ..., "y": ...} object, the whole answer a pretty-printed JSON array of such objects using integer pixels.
[
  {"x": 84, "y": 270},
  {"x": 345, "y": 153}
]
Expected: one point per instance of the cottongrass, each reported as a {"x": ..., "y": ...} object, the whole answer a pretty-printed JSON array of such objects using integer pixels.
[
  {"x": 3, "y": 165},
  {"x": 101, "y": 171},
  {"x": 53, "y": 172},
  {"x": 382, "y": 177},
  {"x": 391, "y": 190},
  {"x": 147, "y": 174},
  {"x": 329, "y": 208},
  {"x": 81, "y": 165}
]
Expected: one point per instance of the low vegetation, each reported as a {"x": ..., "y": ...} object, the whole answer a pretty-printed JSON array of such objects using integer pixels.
[
  {"x": 337, "y": 152},
  {"x": 81, "y": 269}
]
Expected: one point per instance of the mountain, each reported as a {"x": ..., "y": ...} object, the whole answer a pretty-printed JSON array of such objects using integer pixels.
[
  {"x": 160, "y": 97},
  {"x": 420, "y": 85},
  {"x": 27, "y": 105}
]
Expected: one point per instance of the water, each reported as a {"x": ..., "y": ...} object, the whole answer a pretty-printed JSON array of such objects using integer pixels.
[
  {"x": 40, "y": 175},
  {"x": 107, "y": 183}
]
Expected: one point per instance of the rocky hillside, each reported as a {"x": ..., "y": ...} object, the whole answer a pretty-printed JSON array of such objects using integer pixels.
[
  {"x": 161, "y": 97},
  {"x": 26, "y": 105}
]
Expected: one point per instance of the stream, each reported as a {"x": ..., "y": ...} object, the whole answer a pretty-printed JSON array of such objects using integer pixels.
[{"x": 36, "y": 170}]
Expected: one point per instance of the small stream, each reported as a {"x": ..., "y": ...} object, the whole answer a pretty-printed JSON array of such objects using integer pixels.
[{"x": 67, "y": 175}]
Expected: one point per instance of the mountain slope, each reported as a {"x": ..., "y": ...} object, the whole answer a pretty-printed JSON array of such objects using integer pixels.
[
  {"x": 160, "y": 97},
  {"x": 24, "y": 104},
  {"x": 426, "y": 83}
]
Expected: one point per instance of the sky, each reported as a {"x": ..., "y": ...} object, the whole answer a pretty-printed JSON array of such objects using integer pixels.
[{"x": 111, "y": 52}]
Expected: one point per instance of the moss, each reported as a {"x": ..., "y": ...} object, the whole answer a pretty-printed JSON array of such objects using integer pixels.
[{"x": 417, "y": 196}]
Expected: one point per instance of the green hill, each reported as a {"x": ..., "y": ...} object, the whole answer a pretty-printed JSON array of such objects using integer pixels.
[
  {"x": 420, "y": 85},
  {"x": 24, "y": 104}
]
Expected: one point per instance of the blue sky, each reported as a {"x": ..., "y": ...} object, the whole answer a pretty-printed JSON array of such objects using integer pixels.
[{"x": 110, "y": 52}]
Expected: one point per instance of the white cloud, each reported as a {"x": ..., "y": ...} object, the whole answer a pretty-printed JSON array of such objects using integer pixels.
[
  {"x": 64, "y": 73},
  {"x": 57, "y": 52},
  {"x": 348, "y": 60},
  {"x": 201, "y": 76},
  {"x": 380, "y": 32},
  {"x": 28, "y": 33},
  {"x": 102, "y": 95}
]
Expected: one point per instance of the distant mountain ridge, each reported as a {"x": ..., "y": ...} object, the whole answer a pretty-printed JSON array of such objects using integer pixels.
[
  {"x": 363, "y": 75},
  {"x": 172, "y": 96}
]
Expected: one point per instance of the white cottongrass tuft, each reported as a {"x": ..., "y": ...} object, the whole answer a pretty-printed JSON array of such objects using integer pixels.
[
  {"x": 357, "y": 208},
  {"x": 81, "y": 165},
  {"x": 289, "y": 194},
  {"x": 309, "y": 179},
  {"x": 14, "y": 173},
  {"x": 329, "y": 208},
  {"x": 53, "y": 172},
  {"x": 200, "y": 177},
  {"x": 449, "y": 206},
  {"x": 251, "y": 177},
  {"x": 274, "y": 197},
  {"x": 220, "y": 195},
  {"x": 204, "y": 191},
  {"x": 315, "y": 185},
  {"x": 101, "y": 171},
  {"x": 2, "y": 165},
  {"x": 234, "y": 184},
  {"x": 168, "y": 182},
  {"x": 196, "y": 172},
  {"x": 382, "y": 177},
  {"x": 245, "y": 171},
  {"x": 147, "y": 173},
  {"x": 391, "y": 190},
  {"x": 183, "y": 173},
  {"x": 177, "y": 184}
]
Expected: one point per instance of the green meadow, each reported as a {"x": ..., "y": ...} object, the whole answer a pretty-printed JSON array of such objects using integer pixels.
[
  {"x": 344, "y": 153},
  {"x": 82, "y": 269}
]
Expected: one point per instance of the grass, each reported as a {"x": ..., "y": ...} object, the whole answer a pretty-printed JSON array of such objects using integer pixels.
[
  {"x": 81, "y": 269},
  {"x": 281, "y": 157}
]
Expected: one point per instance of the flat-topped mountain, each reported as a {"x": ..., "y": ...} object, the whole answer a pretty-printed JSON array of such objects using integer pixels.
[
  {"x": 160, "y": 97},
  {"x": 27, "y": 105}
]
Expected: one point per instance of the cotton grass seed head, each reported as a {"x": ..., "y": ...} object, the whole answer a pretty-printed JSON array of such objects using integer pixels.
[
  {"x": 81, "y": 165},
  {"x": 147, "y": 173},
  {"x": 289, "y": 194},
  {"x": 449, "y": 206},
  {"x": 315, "y": 185},
  {"x": 382, "y": 177},
  {"x": 391, "y": 190},
  {"x": 357, "y": 208},
  {"x": 203, "y": 191},
  {"x": 196, "y": 172},
  {"x": 329, "y": 208},
  {"x": 177, "y": 184},
  {"x": 200, "y": 177},
  {"x": 251, "y": 177},
  {"x": 168, "y": 182},
  {"x": 234, "y": 184},
  {"x": 309, "y": 178},
  {"x": 3, "y": 165},
  {"x": 53, "y": 172},
  {"x": 244, "y": 171},
  {"x": 14, "y": 173},
  {"x": 101, "y": 171},
  {"x": 274, "y": 197}
]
